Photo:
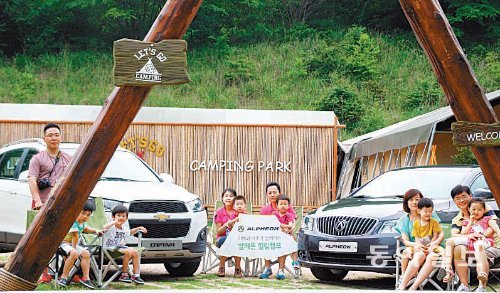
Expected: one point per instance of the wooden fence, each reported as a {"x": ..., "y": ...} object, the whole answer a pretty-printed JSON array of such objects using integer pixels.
[{"x": 298, "y": 157}]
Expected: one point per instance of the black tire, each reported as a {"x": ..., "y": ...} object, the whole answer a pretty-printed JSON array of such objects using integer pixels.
[
  {"x": 325, "y": 274},
  {"x": 185, "y": 269}
]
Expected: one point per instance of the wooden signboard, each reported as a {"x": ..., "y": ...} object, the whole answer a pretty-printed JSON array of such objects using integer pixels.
[
  {"x": 475, "y": 134},
  {"x": 139, "y": 63}
]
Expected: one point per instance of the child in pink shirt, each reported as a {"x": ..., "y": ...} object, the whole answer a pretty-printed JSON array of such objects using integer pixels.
[
  {"x": 286, "y": 218},
  {"x": 287, "y": 221}
]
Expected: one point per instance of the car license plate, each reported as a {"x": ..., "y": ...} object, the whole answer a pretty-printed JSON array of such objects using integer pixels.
[
  {"x": 338, "y": 246},
  {"x": 162, "y": 244}
]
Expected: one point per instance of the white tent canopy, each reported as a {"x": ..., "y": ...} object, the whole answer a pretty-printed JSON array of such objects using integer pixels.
[{"x": 407, "y": 133}]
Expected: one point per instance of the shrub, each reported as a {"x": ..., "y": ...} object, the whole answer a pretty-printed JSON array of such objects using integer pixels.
[
  {"x": 238, "y": 70},
  {"x": 361, "y": 56},
  {"x": 464, "y": 156},
  {"x": 344, "y": 103},
  {"x": 373, "y": 119},
  {"x": 426, "y": 95}
]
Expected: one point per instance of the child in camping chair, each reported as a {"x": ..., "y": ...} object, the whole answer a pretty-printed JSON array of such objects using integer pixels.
[
  {"x": 73, "y": 250},
  {"x": 428, "y": 236},
  {"x": 116, "y": 234}
]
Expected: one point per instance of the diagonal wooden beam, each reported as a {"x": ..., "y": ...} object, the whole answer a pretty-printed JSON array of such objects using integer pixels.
[
  {"x": 49, "y": 228},
  {"x": 454, "y": 73}
]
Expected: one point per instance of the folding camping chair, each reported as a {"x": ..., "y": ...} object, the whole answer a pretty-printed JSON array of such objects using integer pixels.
[
  {"x": 103, "y": 261},
  {"x": 428, "y": 280},
  {"x": 211, "y": 259},
  {"x": 56, "y": 263},
  {"x": 494, "y": 275},
  {"x": 258, "y": 267}
]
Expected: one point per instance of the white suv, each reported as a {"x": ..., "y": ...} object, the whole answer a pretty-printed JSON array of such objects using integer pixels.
[{"x": 175, "y": 218}]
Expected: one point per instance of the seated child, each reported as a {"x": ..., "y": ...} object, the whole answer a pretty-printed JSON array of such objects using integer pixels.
[
  {"x": 239, "y": 207},
  {"x": 428, "y": 236},
  {"x": 478, "y": 236},
  {"x": 73, "y": 250},
  {"x": 287, "y": 221},
  {"x": 117, "y": 233}
]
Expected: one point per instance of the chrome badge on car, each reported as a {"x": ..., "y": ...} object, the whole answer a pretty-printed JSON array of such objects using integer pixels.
[
  {"x": 341, "y": 225},
  {"x": 161, "y": 217}
]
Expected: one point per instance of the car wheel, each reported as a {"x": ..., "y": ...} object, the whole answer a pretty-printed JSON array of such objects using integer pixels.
[
  {"x": 186, "y": 269},
  {"x": 325, "y": 274}
]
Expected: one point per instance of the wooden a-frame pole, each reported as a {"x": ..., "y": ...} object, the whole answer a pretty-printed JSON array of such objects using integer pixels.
[
  {"x": 47, "y": 231},
  {"x": 465, "y": 96}
]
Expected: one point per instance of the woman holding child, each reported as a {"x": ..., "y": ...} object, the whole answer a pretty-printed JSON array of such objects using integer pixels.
[
  {"x": 224, "y": 220},
  {"x": 421, "y": 234}
]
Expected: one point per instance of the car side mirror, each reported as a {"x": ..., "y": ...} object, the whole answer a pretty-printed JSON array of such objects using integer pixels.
[
  {"x": 167, "y": 177},
  {"x": 23, "y": 177},
  {"x": 483, "y": 193}
]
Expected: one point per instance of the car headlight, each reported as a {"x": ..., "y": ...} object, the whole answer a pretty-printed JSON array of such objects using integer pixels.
[
  {"x": 388, "y": 227},
  {"x": 308, "y": 223},
  {"x": 196, "y": 205},
  {"x": 110, "y": 204}
]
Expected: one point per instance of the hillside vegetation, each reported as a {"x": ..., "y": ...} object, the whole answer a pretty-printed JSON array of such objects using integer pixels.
[{"x": 372, "y": 74}]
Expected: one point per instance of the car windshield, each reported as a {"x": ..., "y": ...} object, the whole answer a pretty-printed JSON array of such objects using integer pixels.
[
  {"x": 124, "y": 166},
  {"x": 433, "y": 183}
]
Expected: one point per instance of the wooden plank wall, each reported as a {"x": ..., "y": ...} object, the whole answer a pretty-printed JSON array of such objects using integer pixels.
[{"x": 308, "y": 149}]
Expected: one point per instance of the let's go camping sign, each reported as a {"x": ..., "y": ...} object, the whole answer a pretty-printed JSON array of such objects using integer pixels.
[{"x": 140, "y": 63}]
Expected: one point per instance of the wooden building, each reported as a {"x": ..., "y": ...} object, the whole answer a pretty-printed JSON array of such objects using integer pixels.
[{"x": 208, "y": 150}]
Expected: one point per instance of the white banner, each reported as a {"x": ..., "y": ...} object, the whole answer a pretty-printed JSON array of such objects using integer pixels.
[{"x": 258, "y": 237}]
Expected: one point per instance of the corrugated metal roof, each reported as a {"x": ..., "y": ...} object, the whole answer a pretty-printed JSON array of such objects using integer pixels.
[
  {"x": 435, "y": 116},
  {"x": 43, "y": 112}
]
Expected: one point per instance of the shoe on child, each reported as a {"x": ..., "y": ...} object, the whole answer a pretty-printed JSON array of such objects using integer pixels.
[
  {"x": 265, "y": 275},
  {"x": 137, "y": 279},
  {"x": 125, "y": 278},
  {"x": 87, "y": 283},
  {"x": 238, "y": 273},
  {"x": 463, "y": 288},
  {"x": 296, "y": 264},
  {"x": 62, "y": 282},
  {"x": 280, "y": 275}
]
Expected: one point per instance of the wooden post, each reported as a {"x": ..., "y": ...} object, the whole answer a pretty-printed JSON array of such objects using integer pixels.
[
  {"x": 336, "y": 127},
  {"x": 454, "y": 73},
  {"x": 49, "y": 228}
]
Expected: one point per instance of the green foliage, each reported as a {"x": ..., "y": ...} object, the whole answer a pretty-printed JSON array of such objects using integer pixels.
[
  {"x": 344, "y": 103},
  {"x": 322, "y": 59},
  {"x": 474, "y": 18},
  {"x": 374, "y": 118},
  {"x": 238, "y": 71},
  {"x": 356, "y": 54},
  {"x": 464, "y": 156},
  {"x": 361, "y": 53},
  {"x": 270, "y": 75},
  {"x": 426, "y": 95}
]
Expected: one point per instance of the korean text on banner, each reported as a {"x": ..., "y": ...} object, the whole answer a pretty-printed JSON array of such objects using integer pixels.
[{"x": 258, "y": 237}]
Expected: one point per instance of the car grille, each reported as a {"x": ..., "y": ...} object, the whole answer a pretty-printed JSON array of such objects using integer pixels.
[
  {"x": 345, "y": 225},
  {"x": 174, "y": 228},
  {"x": 157, "y": 206},
  {"x": 347, "y": 259}
]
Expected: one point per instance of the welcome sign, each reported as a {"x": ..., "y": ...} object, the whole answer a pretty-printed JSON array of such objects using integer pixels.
[
  {"x": 257, "y": 237},
  {"x": 140, "y": 63},
  {"x": 475, "y": 134}
]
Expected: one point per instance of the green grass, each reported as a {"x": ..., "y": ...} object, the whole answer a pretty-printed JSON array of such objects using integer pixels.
[{"x": 267, "y": 76}]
